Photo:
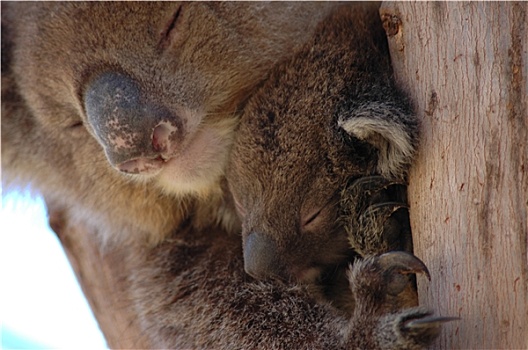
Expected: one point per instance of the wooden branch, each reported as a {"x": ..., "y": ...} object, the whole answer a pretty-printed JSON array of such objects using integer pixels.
[
  {"x": 465, "y": 65},
  {"x": 103, "y": 279}
]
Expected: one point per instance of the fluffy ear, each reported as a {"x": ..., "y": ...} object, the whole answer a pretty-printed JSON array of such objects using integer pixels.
[{"x": 389, "y": 129}]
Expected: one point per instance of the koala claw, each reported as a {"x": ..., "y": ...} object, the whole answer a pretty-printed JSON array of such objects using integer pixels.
[
  {"x": 402, "y": 262},
  {"x": 383, "y": 210},
  {"x": 370, "y": 190},
  {"x": 414, "y": 328},
  {"x": 428, "y": 322}
]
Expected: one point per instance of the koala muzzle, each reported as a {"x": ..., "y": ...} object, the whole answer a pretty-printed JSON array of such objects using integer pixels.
[
  {"x": 137, "y": 134},
  {"x": 261, "y": 258}
]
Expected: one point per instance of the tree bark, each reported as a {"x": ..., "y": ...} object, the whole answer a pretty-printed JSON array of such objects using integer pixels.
[
  {"x": 103, "y": 276},
  {"x": 465, "y": 66}
]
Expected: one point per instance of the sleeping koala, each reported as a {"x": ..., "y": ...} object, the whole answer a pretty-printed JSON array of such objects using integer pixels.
[
  {"x": 321, "y": 156},
  {"x": 137, "y": 102},
  {"x": 121, "y": 115}
]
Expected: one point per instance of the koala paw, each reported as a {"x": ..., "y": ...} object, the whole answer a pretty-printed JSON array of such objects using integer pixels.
[
  {"x": 375, "y": 215},
  {"x": 373, "y": 281},
  {"x": 375, "y": 278}
]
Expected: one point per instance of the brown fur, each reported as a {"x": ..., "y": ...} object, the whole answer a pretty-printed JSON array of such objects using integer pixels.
[
  {"x": 322, "y": 121},
  {"x": 189, "y": 290},
  {"x": 201, "y": 72}
]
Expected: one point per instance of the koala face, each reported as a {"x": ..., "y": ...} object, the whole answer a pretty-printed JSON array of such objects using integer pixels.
[
  {"x": 325, "y": 117},
  {"x": 287, "y": 174},
  {"x": 125, "y": 111},
  {"x": 157, "y": 85}
]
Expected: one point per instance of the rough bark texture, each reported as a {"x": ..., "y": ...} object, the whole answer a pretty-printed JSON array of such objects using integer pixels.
[{"x": 465, "y": 66}]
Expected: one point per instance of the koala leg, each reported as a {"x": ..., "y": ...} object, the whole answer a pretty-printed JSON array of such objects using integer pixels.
[
  {"x": 375, "y": 215},
  {"x": 372, "y": 281}
]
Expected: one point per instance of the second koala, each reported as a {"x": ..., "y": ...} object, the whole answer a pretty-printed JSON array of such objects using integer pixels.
[{"x": 321, "y": 152}]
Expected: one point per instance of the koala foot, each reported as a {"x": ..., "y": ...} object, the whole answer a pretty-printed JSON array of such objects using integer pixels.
[
  {"x": 375, "y": 215},
  {"x": 376, "y": 277},
  {"x": 403, "y": 264},
  {"x": 373, "y": 281}
]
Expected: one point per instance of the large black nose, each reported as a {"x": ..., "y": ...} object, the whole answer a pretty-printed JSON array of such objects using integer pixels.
[
  {"x": 261, "y": 258},
  {"x": 135, "y": 132}
]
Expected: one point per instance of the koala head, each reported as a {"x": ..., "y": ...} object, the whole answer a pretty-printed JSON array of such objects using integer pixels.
[
  {"x": 124, "y": 111},
  {"x": 327, "y": 116},
  {"x": 156, "y": 84}
]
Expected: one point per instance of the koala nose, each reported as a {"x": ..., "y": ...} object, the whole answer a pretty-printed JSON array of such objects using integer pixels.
[
  {"x": 261, "y": 258},
  {"x": 137, "y": 134}
]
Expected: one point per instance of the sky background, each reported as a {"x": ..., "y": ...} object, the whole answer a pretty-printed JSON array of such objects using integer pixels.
[{"x": 41, "y": 303}]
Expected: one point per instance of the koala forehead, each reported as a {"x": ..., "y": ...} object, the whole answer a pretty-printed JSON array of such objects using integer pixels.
[{"x": 62, "y": 45}]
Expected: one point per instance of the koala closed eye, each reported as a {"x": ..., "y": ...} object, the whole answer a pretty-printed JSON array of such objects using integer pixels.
[
  {"x": 315, "y": 217},
  {"x": 310, "y": 219},
  {"x": 172, "y": 31}
]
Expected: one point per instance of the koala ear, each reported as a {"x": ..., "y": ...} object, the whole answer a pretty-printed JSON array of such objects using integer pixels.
[{"x": 389, "y": 129}]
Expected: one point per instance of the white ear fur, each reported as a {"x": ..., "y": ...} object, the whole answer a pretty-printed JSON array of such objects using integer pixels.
[{"x": 384, "y": 129}]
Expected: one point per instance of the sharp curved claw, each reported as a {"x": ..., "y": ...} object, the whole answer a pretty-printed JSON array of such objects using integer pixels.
[
  {"x": 429, "y": 322},
  {"x": 421, "y": 326},
  {"x": 403, "y": 263},
  {"x": 384, "y": 209}
]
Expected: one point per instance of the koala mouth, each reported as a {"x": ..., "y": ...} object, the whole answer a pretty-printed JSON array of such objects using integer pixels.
[
  {"x": 144, "y": 166},
  {"x": 164, "y": 142}
]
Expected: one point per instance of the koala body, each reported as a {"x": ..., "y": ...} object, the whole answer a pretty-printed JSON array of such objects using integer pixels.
[
  {"x": 121, "y": 115},
  {"x": 206, "y": 301},
  {"x": 328, "y": 116}
]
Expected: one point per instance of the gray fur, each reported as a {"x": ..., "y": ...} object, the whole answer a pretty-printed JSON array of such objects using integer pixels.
[
  {"x": 182, "y": 270},
  {"x": 327, "y": 116}
]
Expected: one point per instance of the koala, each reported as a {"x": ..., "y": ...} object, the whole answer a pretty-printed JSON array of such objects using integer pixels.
[
  {"x": 122, "y": 115},
  {"x": 211, "y": 303},
  {"x": 319, "y": 164},
  {"x": 136, "y": 102}
]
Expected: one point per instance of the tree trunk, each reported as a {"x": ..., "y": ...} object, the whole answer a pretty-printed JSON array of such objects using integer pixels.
[
  {"x": 103, "y": 279},
  {"x": 465, "y": 66}
]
